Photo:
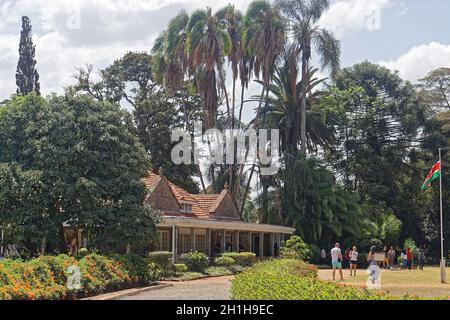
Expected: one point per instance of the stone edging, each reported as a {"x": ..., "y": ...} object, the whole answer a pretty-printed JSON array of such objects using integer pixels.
[{"x": 128, "y": 292}]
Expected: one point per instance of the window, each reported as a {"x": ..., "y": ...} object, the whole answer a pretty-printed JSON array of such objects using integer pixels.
[
  {"x": 184, "y": 243},
  {"x": 200, "y": 241},
  {"x": 244, "y": 244},
  {"x": 186, "y": 207},
  {"x": 228, "y": 242},
  {"x": 163, "y": 243}
]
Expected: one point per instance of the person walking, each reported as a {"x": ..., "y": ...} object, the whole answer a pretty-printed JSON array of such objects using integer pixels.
[
  {"x": 421, "y": 258},
  {"x": 353, "y": 261},
  {"x": 409, "y": 256},
  {"x": 336, "y": 261},
  {"x": 391, "y": 254},
  {"x": 347, "y": 258},
  {"x": 404, "y": 260},
  {"x": 371, "y": 256},
  {"x": 386, "y": 257}
]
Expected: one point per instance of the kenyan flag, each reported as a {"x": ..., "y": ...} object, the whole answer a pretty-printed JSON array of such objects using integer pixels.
[{"x": 433, "y": 175}]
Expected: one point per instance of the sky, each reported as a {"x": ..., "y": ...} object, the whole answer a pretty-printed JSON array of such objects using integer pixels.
[{"x": 411, "y": 36}]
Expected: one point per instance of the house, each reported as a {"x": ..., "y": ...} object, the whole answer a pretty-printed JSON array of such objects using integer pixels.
[{"x": 208, "y": 223}]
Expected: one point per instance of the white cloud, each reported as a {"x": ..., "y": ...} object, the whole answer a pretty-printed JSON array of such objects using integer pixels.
[
  {"x": 348, "y": 16},
  {"x": 72, "y": 33},
  {"x": 419, "y": 60}
]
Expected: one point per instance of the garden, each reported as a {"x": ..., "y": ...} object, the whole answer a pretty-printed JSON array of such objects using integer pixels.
[{"x": 54, "y": 277}]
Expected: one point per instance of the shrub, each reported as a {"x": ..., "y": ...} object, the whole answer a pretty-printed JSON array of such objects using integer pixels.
[
  {"x": 100, "y": 274},
  {"x": 29, "y": 280},
  {"x": 295, "y": 248},
  {"x": 197, "y": 261},
  {"x": 242, "y": 258},
  {"x": 180, "y": 267},
  {"x": 46, "y": 277},
  {"x": 161, "y": 258},
  {"x": 289, "y": 279},
  {"x": 140, "y": 270},
  {"x": 224, "y": 261}
]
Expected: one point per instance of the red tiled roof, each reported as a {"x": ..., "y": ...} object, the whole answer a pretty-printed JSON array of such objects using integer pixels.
[
  {"x": 206, "y": 201},
  {"x": 201, "y": 203}
]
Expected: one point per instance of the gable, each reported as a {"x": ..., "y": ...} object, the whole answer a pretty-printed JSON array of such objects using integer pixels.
[
  {"x": 162, "y": 198},
  {"x": 225, "y": 207}
]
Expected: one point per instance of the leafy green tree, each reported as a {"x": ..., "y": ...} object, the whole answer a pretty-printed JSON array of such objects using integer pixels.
[
  {"x": 155, "y": 120},
  {"x": 84, "y": 161},
  {"x": 27, "y": 77},
  {"x": 435, "y": 88},
  {"x": 321, "y": 210},
  {"x": 128, "y": 79},
  {"x": 378, "y": 119}
]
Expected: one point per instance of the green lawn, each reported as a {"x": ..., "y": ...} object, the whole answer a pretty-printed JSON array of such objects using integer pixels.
[{"x": 401, "y": 282}]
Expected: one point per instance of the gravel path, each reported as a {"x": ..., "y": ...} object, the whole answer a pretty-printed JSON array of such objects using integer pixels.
[{"x": 203, "y": 289}]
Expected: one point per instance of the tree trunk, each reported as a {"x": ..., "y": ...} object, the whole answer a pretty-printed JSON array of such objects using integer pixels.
[
  {"x": 43, "y": 245},
  {"x": 255, "y": 124},
  {"x": 224, "y": 88},
  {"x": 303, "y": 105},
  {"x": 242, "y": 103}
]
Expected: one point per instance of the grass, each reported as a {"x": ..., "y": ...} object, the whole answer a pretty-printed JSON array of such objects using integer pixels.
[{"x": 420, "y": 283}]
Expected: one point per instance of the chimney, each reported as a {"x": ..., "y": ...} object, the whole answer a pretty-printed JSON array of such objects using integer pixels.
[{"x": 160, "y": 171}]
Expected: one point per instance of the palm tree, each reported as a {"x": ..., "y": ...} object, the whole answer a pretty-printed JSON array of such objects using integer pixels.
[
  {"x": 264, "y": 39},
  {"x": 170, "y": 63},
  {"x": 231, "y": 20},
  {"x": 282, "y": 109},
  {"x": 207, "y": 44},
  {"x": 303, "y": 17},
  {"x": 169, "y": 52}
]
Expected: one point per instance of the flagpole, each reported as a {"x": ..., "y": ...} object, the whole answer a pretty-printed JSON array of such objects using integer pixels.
[{"x": 443, "y": 262}]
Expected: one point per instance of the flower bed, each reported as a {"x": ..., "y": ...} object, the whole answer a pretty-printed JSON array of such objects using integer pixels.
[
  {"x": 46, "y": 277},
  {"x": 288, "y": 279}
]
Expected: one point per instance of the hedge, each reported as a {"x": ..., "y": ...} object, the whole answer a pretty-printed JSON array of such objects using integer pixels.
[
  {"x": 287, "y": 279},
  {"x": 224, "y": 261},
  {"x": 46, "y": 277},
  {"x": 242, "y": 258}
]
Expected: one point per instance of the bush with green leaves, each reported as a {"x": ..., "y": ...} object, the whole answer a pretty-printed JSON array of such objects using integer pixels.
[
  {"x": 292, "y": 279},
  {"x": 180, "y": 267},
  {"x": 197, "y": 261},
  {"x": 242, "y": 258},
  {"x": 163, "y": 260},
  {"x": 295, "y": 248},
  {"x": 224, "y": 261}
]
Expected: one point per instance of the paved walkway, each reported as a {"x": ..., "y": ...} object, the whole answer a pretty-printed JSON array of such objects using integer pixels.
[{"x": 217, "y": 288}]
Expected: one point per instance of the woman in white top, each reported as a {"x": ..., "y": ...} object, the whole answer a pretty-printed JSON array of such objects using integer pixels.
[{"x": 353, "y": 261}]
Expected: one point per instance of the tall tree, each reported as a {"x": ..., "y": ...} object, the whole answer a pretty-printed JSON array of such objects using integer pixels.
[
  {"x": 207, "y": 44},
  {"x": 27, "y": 77},
  {"x": 282, "y": 110},
  {"x": 264, "y": 39},
  {"x": 80, "y": 163},
  {"x": 435, "y": 88},
  {"x": 307, "y": 36},
  {"x": 378, "y": 121}
]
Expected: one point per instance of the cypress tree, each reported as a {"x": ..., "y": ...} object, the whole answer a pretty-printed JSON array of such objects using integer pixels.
[{"x": 27, "y": 77}]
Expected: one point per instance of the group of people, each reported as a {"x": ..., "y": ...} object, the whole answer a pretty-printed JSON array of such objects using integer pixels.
[{"x": 350, "y": 259}]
